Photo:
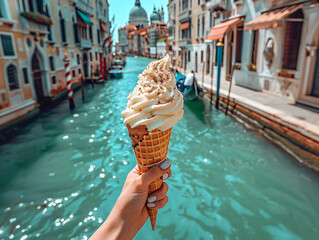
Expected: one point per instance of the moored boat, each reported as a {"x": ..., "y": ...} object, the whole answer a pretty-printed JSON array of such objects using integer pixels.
[
  {"x": 190, "y": 93},
  {"x": 116, "y": 71}
]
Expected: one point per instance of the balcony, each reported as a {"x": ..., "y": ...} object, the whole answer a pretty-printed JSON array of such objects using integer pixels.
[
  {"x": 183, "y": 42},
  {"x": 184, "y": 15},
  {"x": 215, "y": 5},
  {"x": 83, "y": 6},
  {"x": 34, "y": 27},
  {"x": 85, "y": 43}
]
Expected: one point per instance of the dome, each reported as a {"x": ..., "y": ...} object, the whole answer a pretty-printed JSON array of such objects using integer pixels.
[
  {"x": 155, "y": 17},
  {"x": 138, "y": 12},
  {"x": 138, "y": 16}
]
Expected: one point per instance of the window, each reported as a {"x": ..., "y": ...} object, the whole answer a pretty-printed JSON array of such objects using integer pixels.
[
  {"x": 189, "y": 56},
  {"x": 90, "y": 33},
  {"x": 51, "y": 60},
  {"x": 98, "y": 36},
  {"x": 201, "y": 56},
  {"x": 53, "y": 80},
  {"x": 203, "y": 26},
  {"x": 210, "y": 19},
  {"x": 79, "y": 71},
  {"x": 239, "y": 44},
  {"x": 13, "y": 78},
  {"x": 96, "y": 56},
  {"x": 196, "y": 62},
  {"x": 76, "y": 33},
  {"x": 78, "y": 58},
  {"x": 292, "y": 40},
  {"x": 253, "y": 57},
  {"x": 25, "y": 75},
  {"x": 198, "y": 2},
  {"x": 91, "y": 56},
  {"x": 198, "y": 27},
  {"x": 3, "y": 10},
  {"x": 73, "y": 73},
  {"x": 62, "y": 28},
  {"x": 7, "y": 46}
]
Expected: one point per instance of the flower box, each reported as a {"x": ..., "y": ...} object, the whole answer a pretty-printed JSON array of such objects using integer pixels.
[{"x": 286, "y": 74}]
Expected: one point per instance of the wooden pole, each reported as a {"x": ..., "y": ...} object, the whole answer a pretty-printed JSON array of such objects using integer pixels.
[
  {"x": 68, "y": 80},
  {"x": 229, "y": 89},
  {"x": 203, "y": 75}
]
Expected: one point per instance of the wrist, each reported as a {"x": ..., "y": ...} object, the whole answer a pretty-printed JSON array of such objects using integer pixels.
[{"x": 119, "y": 227}]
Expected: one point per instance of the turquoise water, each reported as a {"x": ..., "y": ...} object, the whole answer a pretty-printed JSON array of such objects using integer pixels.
[{"x": 60, "y": 177}]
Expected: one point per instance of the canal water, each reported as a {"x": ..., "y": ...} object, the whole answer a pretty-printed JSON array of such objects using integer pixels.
[{"x": 61, "y": 175}]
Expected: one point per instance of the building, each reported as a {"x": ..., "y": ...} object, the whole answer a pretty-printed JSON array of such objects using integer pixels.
[
  {"x": 139, "y": 38},
  {"x": 270, "y": 46},
  {"x": 35, "y": 37}
]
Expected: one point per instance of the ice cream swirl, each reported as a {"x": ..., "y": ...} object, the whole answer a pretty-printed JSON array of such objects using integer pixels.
[{"x": 155, "y": 101}]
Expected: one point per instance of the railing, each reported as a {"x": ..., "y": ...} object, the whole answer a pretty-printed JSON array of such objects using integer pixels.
[
  {"x": 185, "y": 14},
  {"x": 171, "y": 38},
  {"x": 216, "y": 4},
  {"x": 33, "y": 26},
  {"x": 83, "y": 6},
  {"x": 85, "y": 43},
  {"x": 183, "y": 42}
]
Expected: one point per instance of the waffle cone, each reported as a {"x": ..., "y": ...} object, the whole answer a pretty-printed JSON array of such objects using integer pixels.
[{"x": 152, "y": 149}]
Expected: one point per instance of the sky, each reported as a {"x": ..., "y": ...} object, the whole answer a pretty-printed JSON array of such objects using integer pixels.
[{"x": 121, "y": 10}]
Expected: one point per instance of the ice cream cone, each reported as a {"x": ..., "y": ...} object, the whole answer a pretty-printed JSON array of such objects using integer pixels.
[{"x": 150, "y": 147}]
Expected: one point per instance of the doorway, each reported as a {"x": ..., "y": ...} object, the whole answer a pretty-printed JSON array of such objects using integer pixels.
[
  {"x": 315, "y": 82},
  {"x": 37, "y": 78}
]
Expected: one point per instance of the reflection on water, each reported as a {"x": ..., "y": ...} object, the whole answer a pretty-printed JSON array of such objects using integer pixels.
[{"x": 61, "y": 176}]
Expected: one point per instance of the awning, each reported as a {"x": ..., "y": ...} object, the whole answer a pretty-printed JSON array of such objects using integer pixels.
[
  {"x": 272, "y": 18},
  {"x": 85, "y": 18},
  {"x": 219, "y": 30},
  {"x": 103, "y": 27},
  {"x": 184, "y": 25}
]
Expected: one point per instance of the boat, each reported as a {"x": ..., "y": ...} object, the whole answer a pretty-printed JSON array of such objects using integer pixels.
[
  {"x": 190, "y": 93},
  {"x": 119, "y": 59},
  {"x": 116, "y": 71}
]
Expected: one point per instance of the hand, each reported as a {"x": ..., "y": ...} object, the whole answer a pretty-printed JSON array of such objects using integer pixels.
[{"x": 130, "y": 212}]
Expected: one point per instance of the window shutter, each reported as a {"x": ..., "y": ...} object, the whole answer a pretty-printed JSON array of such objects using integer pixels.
[
  {"x": 7, "y": 45},
  {"x": 292, "y": 42},
  {"x": 25, "y": 75}
]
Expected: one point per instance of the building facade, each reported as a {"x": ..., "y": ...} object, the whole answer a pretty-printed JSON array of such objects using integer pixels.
[
  {"x": 269, "y": 46},
  {"x": 35, "y": 38},
  {"x": 139, "y": 38}
]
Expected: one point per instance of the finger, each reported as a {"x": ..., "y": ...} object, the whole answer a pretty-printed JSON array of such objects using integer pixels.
[
  {"x": 159, "y": 194},
  {"x": 155, "y": 172},
  {"x": 158, "y": 204},
  {"x": 167, "y": 175}
]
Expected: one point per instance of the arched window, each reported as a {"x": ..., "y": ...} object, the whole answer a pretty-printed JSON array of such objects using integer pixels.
[
  {"x": 62, "y": 28},
  {"x": 51, "y": 60},
  {"x": 13, "y": 78}
]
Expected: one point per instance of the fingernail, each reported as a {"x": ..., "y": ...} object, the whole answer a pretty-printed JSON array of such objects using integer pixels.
[
  {"x": 165, "y": 176},
  {"x": 166, "y": 164},
  {"x": 151, "y": 205},
  {"x": 152, "y": 199}
]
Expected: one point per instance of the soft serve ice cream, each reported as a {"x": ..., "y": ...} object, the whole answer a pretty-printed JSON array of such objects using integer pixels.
[{"x": 155, "y": 102}]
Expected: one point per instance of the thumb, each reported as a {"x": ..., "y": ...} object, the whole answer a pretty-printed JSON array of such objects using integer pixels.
[{"x": 156, "y": 172}]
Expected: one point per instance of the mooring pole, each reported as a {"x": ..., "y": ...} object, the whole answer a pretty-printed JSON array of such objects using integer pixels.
[
  {"x": 220, "y": 46},
  {"x": 68, "y": 80}
]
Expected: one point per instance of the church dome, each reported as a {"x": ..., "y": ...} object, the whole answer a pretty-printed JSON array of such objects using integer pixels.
[
  {"x": 155, "y": 17},
  {"x": 138, "y": 15},
  {"x": 138, "y": 12}
]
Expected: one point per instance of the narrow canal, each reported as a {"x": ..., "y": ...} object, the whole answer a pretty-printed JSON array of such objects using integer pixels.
[{"x": 60, "y": 177}]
